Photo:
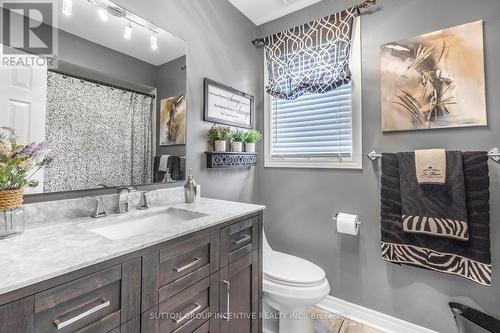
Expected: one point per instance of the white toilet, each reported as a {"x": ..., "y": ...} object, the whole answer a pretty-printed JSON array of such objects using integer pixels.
[{"x": 292, "y": 286}]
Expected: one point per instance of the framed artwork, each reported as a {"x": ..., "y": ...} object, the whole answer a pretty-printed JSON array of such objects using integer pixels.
[
  {"x": 434, "y": 80},
  {"x": 173, "y": 121},
  {"x": 228, "y": 106}
]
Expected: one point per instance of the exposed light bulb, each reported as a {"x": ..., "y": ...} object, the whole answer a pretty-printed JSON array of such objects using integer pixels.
[
  {"x": 154, "y": 41},
  {"x": 127, "y": 34},
  {"x": 103, "y": 14},
  {"x": 67, "y": 7}
]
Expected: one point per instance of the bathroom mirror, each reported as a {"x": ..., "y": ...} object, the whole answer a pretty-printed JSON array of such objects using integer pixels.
[{"x": 112, "y": 108}]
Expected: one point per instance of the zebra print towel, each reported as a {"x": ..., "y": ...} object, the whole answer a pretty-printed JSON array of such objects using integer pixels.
[
  {"x": 431, "y": 209},
  {"x": 471, "y": 259}
]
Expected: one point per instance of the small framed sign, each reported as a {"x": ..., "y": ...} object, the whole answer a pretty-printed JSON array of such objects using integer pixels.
[{"x": 228, "y": 106}]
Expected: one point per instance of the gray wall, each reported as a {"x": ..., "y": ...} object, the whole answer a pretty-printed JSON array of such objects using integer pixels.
[
  {"x": 82, "y": 57},
  {"x": 171, "y": 81},
  {"x": 218, "y": 47},
  {"x": 301, "y": 202}
]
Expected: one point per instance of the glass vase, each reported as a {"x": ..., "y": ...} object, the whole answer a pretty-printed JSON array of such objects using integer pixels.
[{"x": 11, "y": 222}]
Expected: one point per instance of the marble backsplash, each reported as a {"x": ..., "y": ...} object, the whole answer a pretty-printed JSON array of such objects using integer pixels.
[{"x": 42, "y": 213}]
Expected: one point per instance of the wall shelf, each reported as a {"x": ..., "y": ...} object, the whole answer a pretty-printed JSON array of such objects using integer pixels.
[{"x": 230, "y": 160}]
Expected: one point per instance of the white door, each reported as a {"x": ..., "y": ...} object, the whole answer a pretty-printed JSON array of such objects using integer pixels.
[{"x": 23, "y": 101}]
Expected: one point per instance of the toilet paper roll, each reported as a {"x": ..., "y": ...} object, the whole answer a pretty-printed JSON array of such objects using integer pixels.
[{"x": 347, "y": 223}]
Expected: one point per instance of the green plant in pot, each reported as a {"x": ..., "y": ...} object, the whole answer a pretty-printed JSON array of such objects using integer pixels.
[
  {"x": 219, "y": 135},
  {"x": 237, "y": 139},
  {"x": 251, "y": 138}
]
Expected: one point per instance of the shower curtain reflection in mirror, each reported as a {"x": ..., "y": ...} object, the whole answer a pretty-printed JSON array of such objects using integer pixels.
[{"x": 99, "y": 135}]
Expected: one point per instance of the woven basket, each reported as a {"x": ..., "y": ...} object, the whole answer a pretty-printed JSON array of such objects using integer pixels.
[{"x": 11, "y": 199}]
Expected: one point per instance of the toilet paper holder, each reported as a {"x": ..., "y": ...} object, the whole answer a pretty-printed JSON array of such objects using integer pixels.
[{"x": 334, "y": 219}]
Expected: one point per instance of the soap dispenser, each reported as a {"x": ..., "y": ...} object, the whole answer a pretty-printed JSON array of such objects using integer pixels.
[{"x": 190, "y": 188}]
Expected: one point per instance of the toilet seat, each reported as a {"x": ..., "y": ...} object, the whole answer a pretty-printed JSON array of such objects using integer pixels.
[{"x": 285, "y": 269}]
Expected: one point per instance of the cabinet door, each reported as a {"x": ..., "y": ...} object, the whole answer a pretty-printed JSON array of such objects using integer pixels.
[
  {"x": 17, "y": 317},
  {"x": 239, "y": 295}
]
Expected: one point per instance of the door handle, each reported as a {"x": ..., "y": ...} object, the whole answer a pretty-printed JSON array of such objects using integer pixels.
[
  {"x": 242, "y": 240},
  {"x": 228, "y": 286},
  {"x": 188, "y": 314},
  {"x": 102, "y": 304},
  {"x": 191, "y": 264}
]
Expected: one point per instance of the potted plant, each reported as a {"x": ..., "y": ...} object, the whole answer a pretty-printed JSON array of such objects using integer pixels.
[
  {"x": 18, "y": 163},
  {"x": 219, "y": 135},
  {"x": 237, "y": 137},
  {"x": 252, "y": 137}
]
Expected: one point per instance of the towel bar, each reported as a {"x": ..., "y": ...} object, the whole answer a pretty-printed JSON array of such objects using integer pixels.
[{"x": 494, "y": 154}]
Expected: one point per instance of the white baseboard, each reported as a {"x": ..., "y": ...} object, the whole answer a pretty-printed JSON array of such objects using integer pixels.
[{"x": 368, "y": 317}]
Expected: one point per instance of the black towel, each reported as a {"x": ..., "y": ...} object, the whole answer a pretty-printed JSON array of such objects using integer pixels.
[
  {"x": 176, "y": 165},
  {"x": 470, "y": 320},
  {"x": 158, "y": 176},
  {"x": 438, "y": 210},
  {"x": 471, "y": 259}
]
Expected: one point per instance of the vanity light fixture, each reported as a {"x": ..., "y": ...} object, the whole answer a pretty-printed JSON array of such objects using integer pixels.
[
  {"x": 154, "y": 41},
  {"x": 103, "y": 14},
  {"x": 127, "y": 34},
  {"x": 67, "y": 7}
]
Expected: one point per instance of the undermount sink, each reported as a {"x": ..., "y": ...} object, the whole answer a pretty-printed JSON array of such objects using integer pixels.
[{"x": 121, "y": 227}]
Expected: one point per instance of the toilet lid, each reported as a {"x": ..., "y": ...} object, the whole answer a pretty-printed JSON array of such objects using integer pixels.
[{"x": 290, "y": 269}]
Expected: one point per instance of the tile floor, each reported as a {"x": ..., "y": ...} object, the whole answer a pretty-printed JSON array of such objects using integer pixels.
[{"x": 325, "y": 322}]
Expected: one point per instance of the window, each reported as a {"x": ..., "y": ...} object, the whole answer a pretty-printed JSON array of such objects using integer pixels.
[{"x": 317, "y": 130}]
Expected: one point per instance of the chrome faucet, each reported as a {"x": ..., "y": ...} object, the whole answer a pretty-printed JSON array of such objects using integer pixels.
[
  {"x": 99, "y": 209},
  {"x": 122, "y": 204},
  {"x": 143, "y": 201}
]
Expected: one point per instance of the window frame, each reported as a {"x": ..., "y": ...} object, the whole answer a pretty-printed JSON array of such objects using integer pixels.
[{"x": 330, "y": 162}]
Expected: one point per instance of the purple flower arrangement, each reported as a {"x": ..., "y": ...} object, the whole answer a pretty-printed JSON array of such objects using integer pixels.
[{"x": 18, "y": 163}]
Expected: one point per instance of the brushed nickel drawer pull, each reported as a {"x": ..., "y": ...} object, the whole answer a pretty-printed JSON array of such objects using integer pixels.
[
  {"x": 191, "y": 264},
  {"x": 62, "y": 324},
  {"x": 188, "y": 314},
  {"x": 242, "y": 240},
  {"x": 228, "y": 286}
]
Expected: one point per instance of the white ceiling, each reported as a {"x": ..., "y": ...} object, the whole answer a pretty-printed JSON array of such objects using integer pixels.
[
  {"x": 85, "y": 22},
  {"x": 262, "y": 11}
]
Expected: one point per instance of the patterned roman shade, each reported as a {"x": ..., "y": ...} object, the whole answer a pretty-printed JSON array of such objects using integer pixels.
[{"x": 311, "y": 58}]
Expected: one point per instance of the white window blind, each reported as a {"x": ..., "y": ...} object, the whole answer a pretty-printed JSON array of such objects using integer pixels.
[{"x": 313, "y": 125}]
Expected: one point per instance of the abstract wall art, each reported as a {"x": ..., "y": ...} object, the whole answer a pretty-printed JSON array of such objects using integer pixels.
[
  {"x": 434, "y": 80},
  {"x": 173, "y": 121}
]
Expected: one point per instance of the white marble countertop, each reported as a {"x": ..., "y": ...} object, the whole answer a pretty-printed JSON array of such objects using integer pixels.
[{"x": 48, "y": 251}]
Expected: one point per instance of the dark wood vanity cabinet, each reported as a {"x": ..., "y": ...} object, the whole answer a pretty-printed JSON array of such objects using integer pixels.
[
  {"x": 206, "y": 281},
  {"x": 96, "y": 302},
  {"x": 200, "y": 283}
]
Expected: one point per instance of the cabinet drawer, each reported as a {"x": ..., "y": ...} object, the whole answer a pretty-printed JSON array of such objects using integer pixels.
[
  {"x": 185, "y": 312},
  {"x": 181, "y": 259},
  {"x": 74, "y": 305},
  {"x": 177, "y": 267},
  {"x": 97, "y": 302},
  {"x": 238, "y": 240}
]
